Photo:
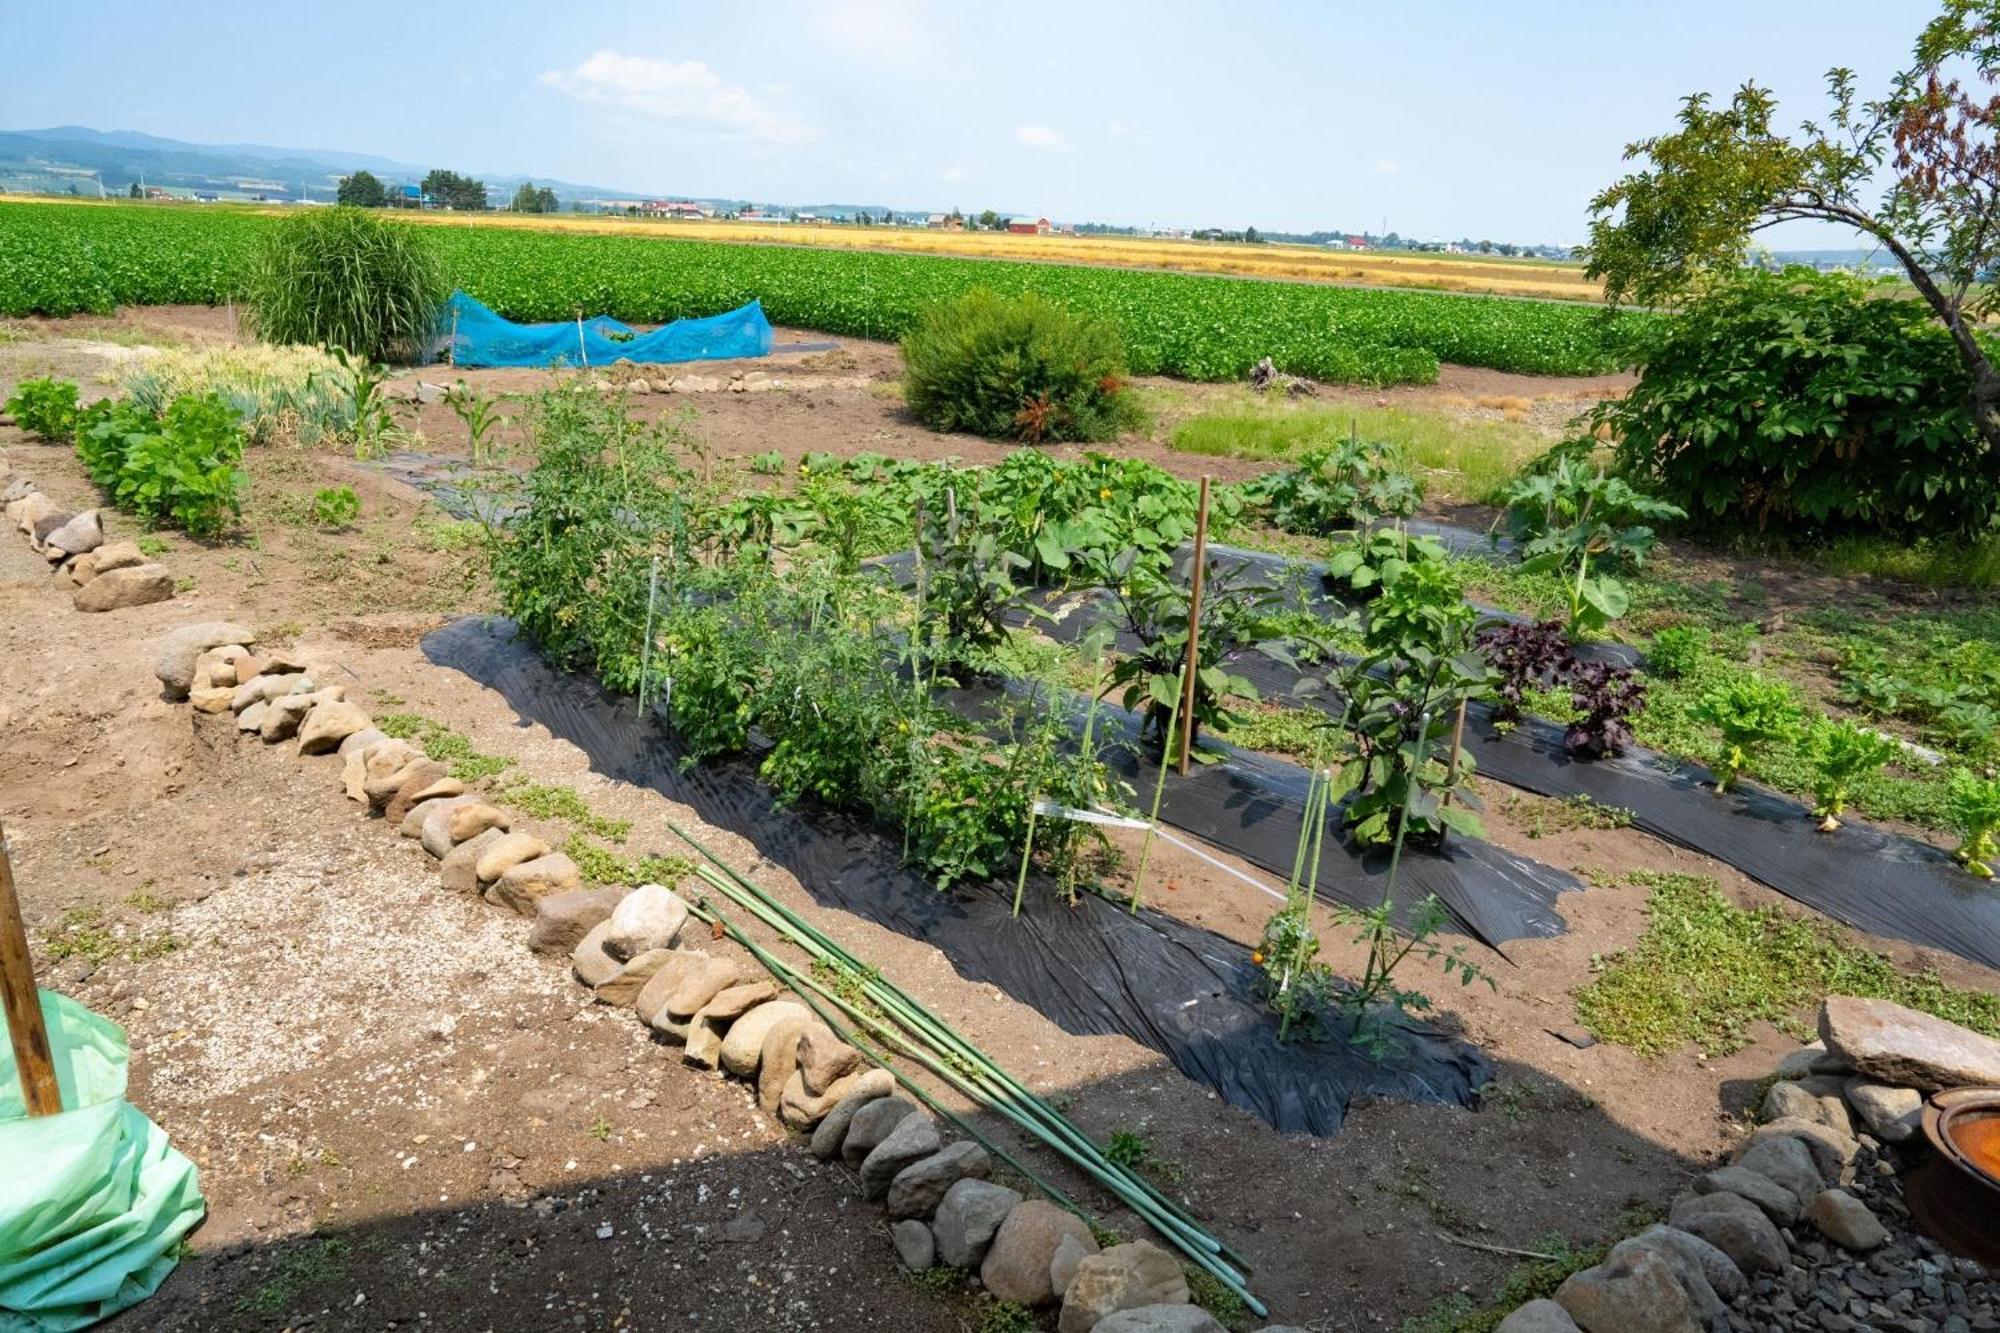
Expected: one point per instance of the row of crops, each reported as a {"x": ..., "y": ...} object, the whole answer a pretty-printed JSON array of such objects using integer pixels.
[{"x": 60, "y": 259}]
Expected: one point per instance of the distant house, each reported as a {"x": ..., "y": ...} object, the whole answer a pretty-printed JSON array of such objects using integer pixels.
[
  {"x": 1357, "y": 242},
  {"x": 203, "y": 197},
  {"x": 1028, "y": 226},
  {"x": 945, "y": 222}
]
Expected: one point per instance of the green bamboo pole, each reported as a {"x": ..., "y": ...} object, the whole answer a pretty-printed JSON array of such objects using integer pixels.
[{"x": 1159, "y": 790}]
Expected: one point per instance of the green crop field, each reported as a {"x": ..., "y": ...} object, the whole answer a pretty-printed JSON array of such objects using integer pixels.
[{"x": 63, "y": 258}]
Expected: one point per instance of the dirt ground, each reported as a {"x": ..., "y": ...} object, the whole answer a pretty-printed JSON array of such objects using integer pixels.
[{"x": 405, "y": 1120}]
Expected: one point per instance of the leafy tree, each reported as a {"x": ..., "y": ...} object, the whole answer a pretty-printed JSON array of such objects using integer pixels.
[
  {"x": 362, "y": 190},
  {"x": 135, "y": 192},
  {"x": 1661, "y": 233},
  {"x": 989, "y": 221},
  {"x": 451, "y": 190},
  {"x": 528, "y": 199},
  {"x": 1250, "y": 235}
]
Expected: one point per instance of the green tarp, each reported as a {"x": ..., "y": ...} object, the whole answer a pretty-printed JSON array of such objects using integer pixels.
[{"x": 94, "y": 1201}]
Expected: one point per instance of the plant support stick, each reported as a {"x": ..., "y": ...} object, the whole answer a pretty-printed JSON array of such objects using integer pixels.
[
  {"x": 25, "y": 1028},
  {"x": 1194, "y": 628}
]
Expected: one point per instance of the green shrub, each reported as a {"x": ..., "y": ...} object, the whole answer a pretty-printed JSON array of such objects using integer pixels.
[
  {"x": 178, "y": 470},
  {"x": 1677, "y": 650},
  {"x": 44, "y": 407},
  {"x": 1018, "y": 368},
  {"x": 1805, "y": 399},
  {"x": 334, "y": 507},
  {"x": 341, "y": 277}
]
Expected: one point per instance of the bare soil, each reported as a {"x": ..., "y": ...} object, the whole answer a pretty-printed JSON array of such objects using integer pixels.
[{"x": 405, "y": 1120}]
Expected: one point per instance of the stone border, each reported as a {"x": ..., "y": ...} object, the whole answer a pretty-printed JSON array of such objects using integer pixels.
[
  {"x": 107, "y": 576},
  {"x": 1841, "y": 1121},
  {"x": 634, "y": 950}
]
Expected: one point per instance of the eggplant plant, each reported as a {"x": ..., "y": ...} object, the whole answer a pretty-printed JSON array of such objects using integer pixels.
[
  {"x": 1349, "y": 485},
  {"x": 1235, "y": 617},
  {"x": 1362, "y": 564},
  {"x": 966, "y": 586}
]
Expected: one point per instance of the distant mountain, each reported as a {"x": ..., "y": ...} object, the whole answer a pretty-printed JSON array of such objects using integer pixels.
[
  {"x": 1872, "y": 257},
  {"x": 79, "y": 158}
]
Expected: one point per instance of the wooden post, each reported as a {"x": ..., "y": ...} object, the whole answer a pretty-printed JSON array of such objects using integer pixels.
[
  {"x": 32, "y": 1058},
  {"x": 1194, "y": 627},
  {"x": 1451, "y": 768}
]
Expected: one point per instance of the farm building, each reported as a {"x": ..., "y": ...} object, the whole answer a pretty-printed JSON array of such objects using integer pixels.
[{"x": 1029, "y": 226}]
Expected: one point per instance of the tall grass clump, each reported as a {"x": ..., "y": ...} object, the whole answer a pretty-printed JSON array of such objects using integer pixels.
[
  {"x": 341, "y": 277},
  {"x": 1018, "y": 368}
]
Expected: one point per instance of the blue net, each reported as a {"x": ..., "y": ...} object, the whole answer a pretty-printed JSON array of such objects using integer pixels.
[{"x": 478, "y": 337}]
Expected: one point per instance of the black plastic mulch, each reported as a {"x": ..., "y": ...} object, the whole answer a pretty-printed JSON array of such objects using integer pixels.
[{"x": 1095, "y": 969}]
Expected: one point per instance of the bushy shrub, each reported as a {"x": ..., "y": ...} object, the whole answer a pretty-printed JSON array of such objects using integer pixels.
[
  {"x": 45, "y": 408},
  {"x": 342, "y": 277},
  {"x": 176, "y": 470},
  {"x": 1805, "y": 399},
  {"x": 1019, "y": 368}
]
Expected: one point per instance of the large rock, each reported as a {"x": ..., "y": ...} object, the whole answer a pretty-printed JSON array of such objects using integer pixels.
[
  {"x": 438, "y": 795},
  {"x": 916, "y": 1190},
  {"x": 370, "y": 767},
  {"x": 283, "y": 716},
  {"x": 1733, "y": 1225},
  {"x": 1832, "y": 1152},
  {"x": 802, "y": 1110},
  {"x": 1784, "y": 1161},
  {"x": 622, "y": 987},
  {"x": 1068, "y": 1258},
  {"x": 512, "y": 849},
  {"x": 649, "y": 917},
  {"x": 699, "y": 984},
  {"x": 1812, "y": 1058},
  {"x": 328, "y": 725},
  {"x": 1779, "y": 1204},
  {"x": 592, "y": 965},
  {"x": 651, "y": 1006},
  {"x": 177, "y": 651},
  {"x": 1716, "y": 1268},
  {"x": 1542, "y": 1316},
  {"x": 563, "y": 919},
  {"x": 871, "y": 1124},
  {"x": 46, "y": 525},
  {"x": 1017, "y": 1263},
  {"x": 1160, "y": 1319},
  {"x": 1905, "y": 1048},
  {"x": 778, "y": 1062},
  {"x": 522, "y": 886},
  {"x": 360, "y": 740},
  {"x": 1846, "y": 1221},
  {"x": 1816, "y": 1098},
  {"x": 1891, "y": 1114},
  {"x": 743, "y": 1044},
  {"x": 220, "y": 668},
  {"x": 252, "y": 718},
  {"x": 831, "y": 1134},
  {"x": 437, "y": 819},
  {"x": 254, "y": 689},
  {"x": 967, "y": 1218},
  {"x": 1637, "y": 1293},
  {"x": 914, "y": 1138},
  {"x": 824, "y": 1058},
  {"x": 140, "y": 585},
  {"x": 1123, "y": 1277},
  {"x": 914, "y": 1245},
  {"x": 82, "y": 533},
  {"x": 456, "y": 873},
  {"x": 1701, "y": 1296},
  {"x": 31, "y": 510}
]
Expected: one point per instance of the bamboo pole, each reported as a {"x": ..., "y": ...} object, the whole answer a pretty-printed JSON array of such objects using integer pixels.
[
  {"x": 1451, "y": 769},
  {"x": 33, "y": 1060},
  {"x": 1194, "y": 627}
]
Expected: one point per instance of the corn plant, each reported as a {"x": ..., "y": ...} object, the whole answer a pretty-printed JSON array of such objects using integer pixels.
[{"x": 480, "y": 416}]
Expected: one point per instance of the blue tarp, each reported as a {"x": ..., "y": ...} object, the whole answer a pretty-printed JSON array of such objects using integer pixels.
[{"x": 478, "y": 337}]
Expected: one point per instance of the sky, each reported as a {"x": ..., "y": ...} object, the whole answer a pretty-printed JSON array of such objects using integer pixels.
[{"x": 1430, "y": 119}]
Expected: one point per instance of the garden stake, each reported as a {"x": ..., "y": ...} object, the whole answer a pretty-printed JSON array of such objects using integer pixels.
[
  {"x": 581, "y": 350},
  {"x": 646, "y": 644},
  {"x": 1451, "y": 769},
  {"x": 25, "y": 1027},
  {"x": 1159, "y": 790},
  {"x": 451, "y": 348},
  {"x": 1194, "y": 627}
]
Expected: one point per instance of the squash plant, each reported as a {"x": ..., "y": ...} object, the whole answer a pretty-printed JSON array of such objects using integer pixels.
[
  {"x": 1570, "y": 518},
  {"x": 1362, "y": 564},
  {"x": 1349, "y": 485}
]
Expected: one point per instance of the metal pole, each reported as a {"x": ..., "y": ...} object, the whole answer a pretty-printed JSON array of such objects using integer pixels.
[
  {"x": 1194, "y": 628},
  {"x": 581, "y": 350},
  {"x": 33, "y": 1061}
]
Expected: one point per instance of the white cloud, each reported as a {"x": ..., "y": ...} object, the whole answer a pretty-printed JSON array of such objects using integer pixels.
[
  {"x": 1040, "y": 136},
  {"x": 1385, "y": 167},
  {"x": 685, "y": 95}
]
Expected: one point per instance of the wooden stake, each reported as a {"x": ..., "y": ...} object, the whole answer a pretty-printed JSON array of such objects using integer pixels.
[
  {"x": 1194, "y": 627},
  {"x": 30, "y": 1035},
  {"x": 1451, "y": 768}
]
